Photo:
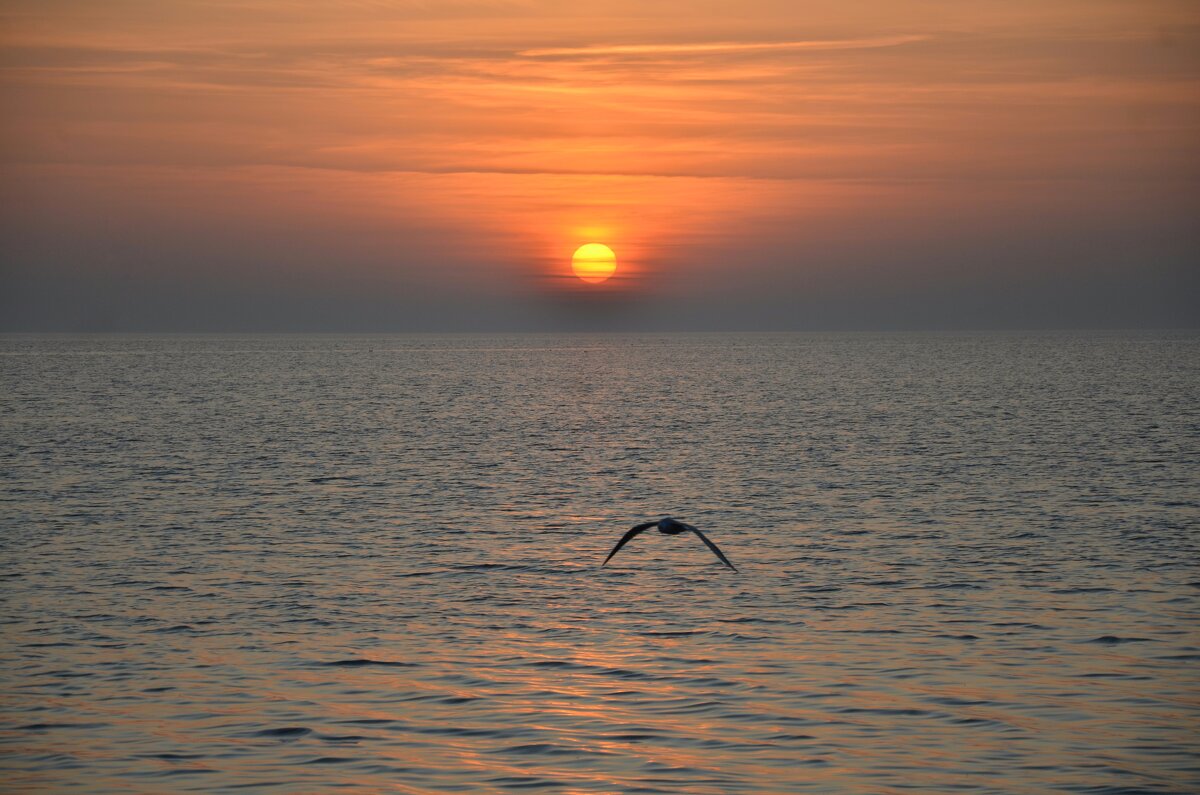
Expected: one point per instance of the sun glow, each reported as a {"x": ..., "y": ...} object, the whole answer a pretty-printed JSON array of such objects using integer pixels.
[{"x": 594, "y": 262}]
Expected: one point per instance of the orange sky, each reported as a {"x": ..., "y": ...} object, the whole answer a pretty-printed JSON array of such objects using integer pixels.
[{"x": 454, "y": 154}]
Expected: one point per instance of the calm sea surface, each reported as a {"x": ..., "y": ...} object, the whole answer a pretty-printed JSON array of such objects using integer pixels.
[{"x": 299, "y": 564}]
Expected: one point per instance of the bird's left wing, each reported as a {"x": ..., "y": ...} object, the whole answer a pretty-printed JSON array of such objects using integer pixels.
[
  {"x": 625, "y": 538},
  {"x": 716, "y": 550}
]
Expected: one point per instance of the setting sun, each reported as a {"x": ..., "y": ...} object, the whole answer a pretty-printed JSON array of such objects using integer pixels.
[{"x": 594, "y": 262}]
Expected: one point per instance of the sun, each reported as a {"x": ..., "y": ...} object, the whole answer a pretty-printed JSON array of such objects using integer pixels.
[{"x": 594, "y": 262}]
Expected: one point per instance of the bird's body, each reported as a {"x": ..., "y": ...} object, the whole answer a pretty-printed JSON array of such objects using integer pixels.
[{"x": 669, "y": 527}]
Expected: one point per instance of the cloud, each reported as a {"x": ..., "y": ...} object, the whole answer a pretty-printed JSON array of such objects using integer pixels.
[{"x": 722, "y": 46}]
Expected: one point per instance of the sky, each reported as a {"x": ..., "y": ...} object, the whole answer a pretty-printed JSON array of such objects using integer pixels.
[{"x": 431, "y": 165}]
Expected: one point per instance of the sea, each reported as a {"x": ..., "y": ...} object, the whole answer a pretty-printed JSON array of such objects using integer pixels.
[{"x": 966, "y": 562}]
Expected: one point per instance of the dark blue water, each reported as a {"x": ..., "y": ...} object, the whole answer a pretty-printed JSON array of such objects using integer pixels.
[{"x": 300, "y": 564}]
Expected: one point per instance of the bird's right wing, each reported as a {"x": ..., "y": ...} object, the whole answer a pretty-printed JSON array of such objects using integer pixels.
[
  {"x": 625, "y": 538},
  {"x": 712, "y": 546}
]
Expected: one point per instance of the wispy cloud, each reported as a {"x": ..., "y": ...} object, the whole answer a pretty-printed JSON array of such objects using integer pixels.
[{"x": 724, "y": 46}]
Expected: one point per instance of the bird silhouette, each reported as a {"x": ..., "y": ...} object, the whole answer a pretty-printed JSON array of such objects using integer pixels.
[{"x": 670, "y": 527}]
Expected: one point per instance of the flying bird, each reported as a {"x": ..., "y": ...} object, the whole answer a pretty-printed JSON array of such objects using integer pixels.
[{"x": 670, "y": 527}]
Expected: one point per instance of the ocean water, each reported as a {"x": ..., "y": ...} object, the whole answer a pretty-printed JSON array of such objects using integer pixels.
[{"x": 298, "y": 564}]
